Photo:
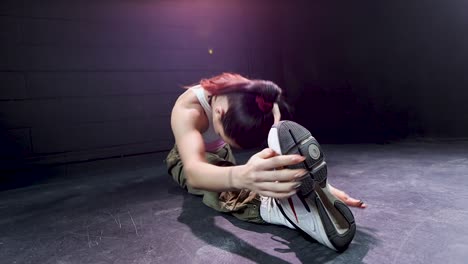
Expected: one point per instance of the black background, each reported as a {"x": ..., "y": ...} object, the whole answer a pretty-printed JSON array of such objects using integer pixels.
[{"x": 86, "y": 80}]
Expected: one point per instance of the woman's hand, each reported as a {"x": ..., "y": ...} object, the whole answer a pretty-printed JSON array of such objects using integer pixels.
[
  {"x": 259, "y": 174},
  {"x": 346, "y": 198}
]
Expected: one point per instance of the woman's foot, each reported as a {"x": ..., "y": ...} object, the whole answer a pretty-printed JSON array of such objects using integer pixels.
[{"x": 314, "y": 210}]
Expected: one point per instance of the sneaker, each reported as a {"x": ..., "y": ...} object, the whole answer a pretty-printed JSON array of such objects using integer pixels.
[{"x": 314, "y": 210}]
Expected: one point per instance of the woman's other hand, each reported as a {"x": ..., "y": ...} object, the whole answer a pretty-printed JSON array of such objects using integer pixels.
[{"x": 348, "y": 200}]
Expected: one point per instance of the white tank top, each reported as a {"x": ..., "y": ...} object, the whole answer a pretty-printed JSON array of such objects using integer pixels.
[{"x": 213, "y": 142}]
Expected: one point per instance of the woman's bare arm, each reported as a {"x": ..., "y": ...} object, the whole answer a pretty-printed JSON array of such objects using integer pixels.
[
  {"x": 257, "y": 175},
  {"x": 200, "y": 174}
]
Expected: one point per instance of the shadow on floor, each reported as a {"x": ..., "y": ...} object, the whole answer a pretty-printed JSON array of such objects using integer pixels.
[{"x": 201, "y": 220}]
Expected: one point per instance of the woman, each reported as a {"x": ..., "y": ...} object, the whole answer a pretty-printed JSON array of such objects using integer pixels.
[{"x": 226, "y": 111}]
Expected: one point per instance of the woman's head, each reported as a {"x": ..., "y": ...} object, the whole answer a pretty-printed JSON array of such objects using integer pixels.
[{"x": 242, "y": 108}]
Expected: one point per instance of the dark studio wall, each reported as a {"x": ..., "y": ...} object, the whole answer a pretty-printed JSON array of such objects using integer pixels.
[
  {"x": 375, "y": 71},
  {"x": 94, "y": 79}
]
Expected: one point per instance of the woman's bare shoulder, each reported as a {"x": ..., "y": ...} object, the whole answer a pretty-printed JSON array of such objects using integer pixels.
[
  {"x": 188, "y": 99},
  {"x": 187, "y": 106}
]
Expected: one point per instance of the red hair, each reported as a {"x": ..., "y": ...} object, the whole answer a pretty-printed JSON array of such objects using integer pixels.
[{"x": 224, "y": 83}]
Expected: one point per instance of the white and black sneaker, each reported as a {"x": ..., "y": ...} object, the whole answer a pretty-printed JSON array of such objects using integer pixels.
[{"x": 314, "y": 210}]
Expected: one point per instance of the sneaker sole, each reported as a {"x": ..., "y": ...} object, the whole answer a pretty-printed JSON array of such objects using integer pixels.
[{"x": 338, "y": 225}]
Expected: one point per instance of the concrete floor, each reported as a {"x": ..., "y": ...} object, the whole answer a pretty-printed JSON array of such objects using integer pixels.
[{"x": 129, "y": 211}]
